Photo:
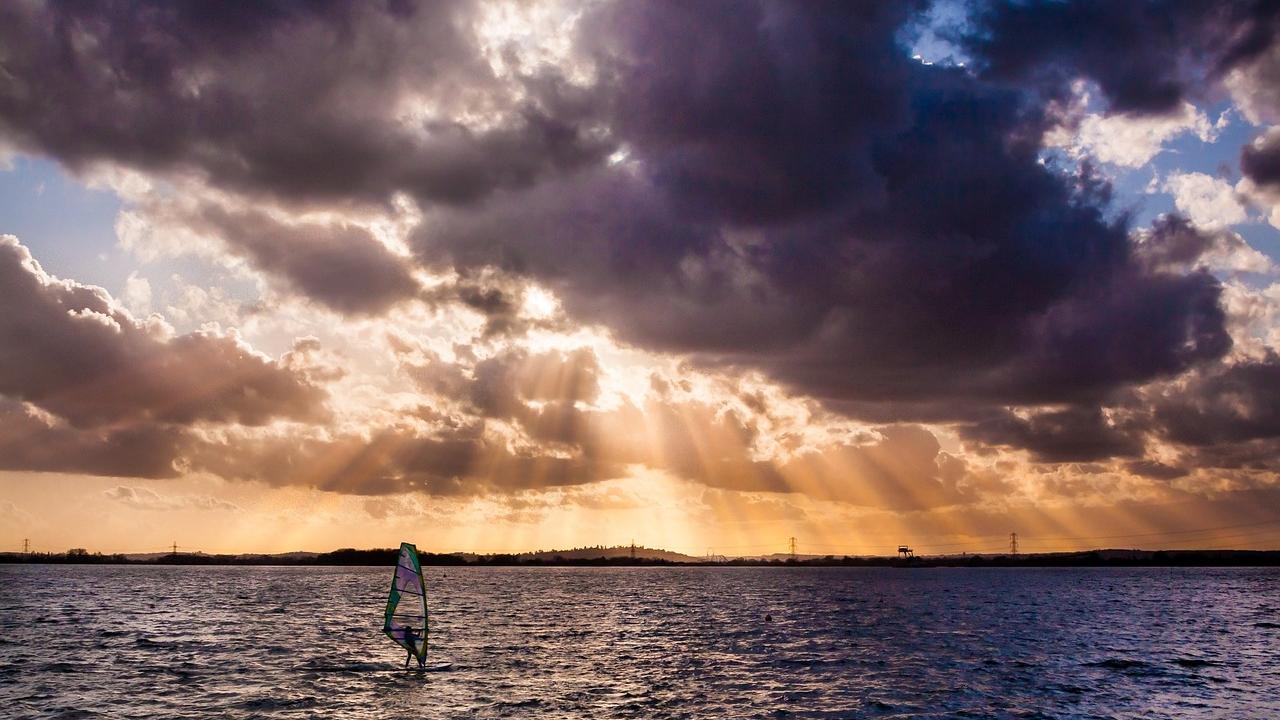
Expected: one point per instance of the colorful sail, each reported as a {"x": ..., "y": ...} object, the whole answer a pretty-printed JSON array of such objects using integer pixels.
[{"x": 406, "y": 619}]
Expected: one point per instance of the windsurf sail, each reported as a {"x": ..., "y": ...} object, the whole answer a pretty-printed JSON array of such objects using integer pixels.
[{"x": 406, "y": 619}]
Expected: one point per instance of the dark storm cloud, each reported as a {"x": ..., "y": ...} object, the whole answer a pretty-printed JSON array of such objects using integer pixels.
[
  {"x": 921, "y": 250},
  {"x": 338, "y": 265},
  {"x": 70, "y": 349},
  {"x": 1146, "y": 56},
  {"x": 1076, "y": 434},
  {"x": 1155, "y": 470},
  {"x": 1237, "y": 403},
  {"x": 1173, "y": 243},
  {"x": 292, "y": 99},
  {"x": 759, "y": 111},
  {"x": 791, "y": 193},
  {"x": 32, "y": 443},
  {"x": 1134, "y": 328},
  {"x": 458, "y": 459},
  {"x": 1238, "y": 460},
  {"x": 1174, "y": 246},
  {"x": 1260, "y": 161}
]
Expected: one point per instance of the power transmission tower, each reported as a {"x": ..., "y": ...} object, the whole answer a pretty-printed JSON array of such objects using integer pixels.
[
  {"x": 1013, "y": 543},
  {"x": 633, "y": 549},
  {"x": 793, "y": 548},
  {"x": 26, "y": 546},
  {"x": 175, "y": 547}
]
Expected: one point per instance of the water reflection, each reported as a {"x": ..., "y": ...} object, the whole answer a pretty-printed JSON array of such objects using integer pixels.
[{"x": 644, "y": 642}]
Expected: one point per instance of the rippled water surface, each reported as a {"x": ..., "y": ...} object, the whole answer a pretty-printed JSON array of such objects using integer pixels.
[{"x": 126, "y": 641}]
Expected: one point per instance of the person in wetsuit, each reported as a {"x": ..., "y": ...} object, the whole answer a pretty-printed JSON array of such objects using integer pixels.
[{"x": 411, "y": 639}]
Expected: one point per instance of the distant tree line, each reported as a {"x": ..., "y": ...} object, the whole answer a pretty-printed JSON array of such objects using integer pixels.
[{"x": 387, "y": 556}]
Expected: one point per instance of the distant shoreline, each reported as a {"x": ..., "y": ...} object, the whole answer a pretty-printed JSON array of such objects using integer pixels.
[{"x": 376, "y": 557}]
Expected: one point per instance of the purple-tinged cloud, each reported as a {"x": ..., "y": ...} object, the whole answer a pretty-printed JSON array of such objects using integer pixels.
[
  {"x": 920, "y": 251},
  {"x": 1260, "y": 161},
  {"x": 72, "y": 350},
  {"x": 31, "y": 442},
  {"x": 1075, "y": 434},
  {"x": 1146, "y": 56},
  {"x": 756, "y": 185},
  {"x": 304, "y": 102},
  {"x": 339, "y": 265}
]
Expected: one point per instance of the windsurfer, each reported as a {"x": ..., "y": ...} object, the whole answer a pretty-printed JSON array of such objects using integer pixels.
[{"x": 411, "y": 641}]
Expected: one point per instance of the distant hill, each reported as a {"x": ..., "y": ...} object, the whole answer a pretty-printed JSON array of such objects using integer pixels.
[
  {"x": 295, "y": 555},
  {"x": 607, "y": 553},
  {"x": 150, "y": 557}
]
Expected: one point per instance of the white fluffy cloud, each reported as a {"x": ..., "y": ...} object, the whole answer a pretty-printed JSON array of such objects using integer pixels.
[
  {"x": 1253, "y": 316},
  {"x": 1130, "y": 141},
  {"x": 1211, "y": 203},
  {"x": 137, "y": 294}
]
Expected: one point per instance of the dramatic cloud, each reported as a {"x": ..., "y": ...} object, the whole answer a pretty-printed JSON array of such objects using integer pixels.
[
  {"x": 1172, "y": 244},
  {"x": 751, "y": 246},
  {"x": 1260, "y": 163},
  {"x": 301, "y": 101},
  {"x": 1221, "y": 419},
  {"x": 905, "y": 471},
  {"x": 1147, "y": 57},
  {"x": 790, "y": 191},
  {"x": 340, "y": 265},
  {"x": 466, "y": 463},
  {"x": 32, "y": 440},
  {"x": 930, "y": 254},
  {"x": 764, "y": 117},
  {"x": 72, "y": 350},
  {"x": 503, "y": 385},
  {"x": 1155, "y": 470},
  {"x": 1234, "y": 404},
  {"x": 1255, "y": 86},
  {"x": 1070, "y": 435},
  {"x": 1260, "y": 160}
]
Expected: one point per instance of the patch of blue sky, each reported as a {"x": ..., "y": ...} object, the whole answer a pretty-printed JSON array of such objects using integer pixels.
[
  {"x": 1140, "y": 190},
  {"x": 1221, "y": 159},
  {"x": 929, "y": 41},
  {"x": 69, "y": 227}
]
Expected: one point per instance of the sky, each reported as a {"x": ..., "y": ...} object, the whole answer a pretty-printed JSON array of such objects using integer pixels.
[{"x": 496, "y": 276}]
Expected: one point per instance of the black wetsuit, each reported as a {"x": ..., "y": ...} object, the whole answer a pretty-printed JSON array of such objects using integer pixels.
[{"x": 411, "y": 639}]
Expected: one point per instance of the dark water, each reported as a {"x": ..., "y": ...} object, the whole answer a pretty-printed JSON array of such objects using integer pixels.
[{"x": 84, "y": 641}]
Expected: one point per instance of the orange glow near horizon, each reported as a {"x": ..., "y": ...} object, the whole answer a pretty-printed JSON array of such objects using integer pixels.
[{"x": 673, "y": 515}]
